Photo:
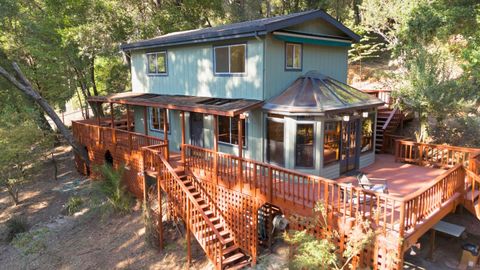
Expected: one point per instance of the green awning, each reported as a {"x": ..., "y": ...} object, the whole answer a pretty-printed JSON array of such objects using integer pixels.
[{"x": 312, "y": 39}]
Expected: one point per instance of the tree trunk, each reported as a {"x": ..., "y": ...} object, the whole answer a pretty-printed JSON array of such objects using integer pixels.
[{"x": 26, "y": 87}]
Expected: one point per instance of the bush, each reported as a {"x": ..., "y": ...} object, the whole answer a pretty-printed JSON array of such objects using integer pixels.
[
  {"x": 16, "y": 225},
  {"x": 112, "y": 187},
  {"x": 73, "y": 205}
]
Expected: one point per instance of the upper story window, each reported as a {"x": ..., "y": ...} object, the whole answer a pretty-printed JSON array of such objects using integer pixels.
[
  {"x": 230, "y": 59},
  {"x": 293, "y": 56},
  {"x": 157, "y": 119},
  {"x": 157, "y": 63},
  {"x": 228, "y": 130}
]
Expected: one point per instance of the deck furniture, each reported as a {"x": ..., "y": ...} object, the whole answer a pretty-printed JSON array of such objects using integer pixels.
[
  {"x": 446, "y": 228},
  {"x": 365, "y": 182}
]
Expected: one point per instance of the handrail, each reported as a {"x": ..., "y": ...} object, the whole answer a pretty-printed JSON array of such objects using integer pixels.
[
  {"x": 190, "y": 196},
  {"x": 390, "y": 117}
]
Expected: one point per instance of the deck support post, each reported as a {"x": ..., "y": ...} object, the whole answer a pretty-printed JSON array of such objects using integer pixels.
[
  {"x": 160, "y": 212},
  {"x": 129, "y": 122},
  {"x": 240, "y": 149},
  {"x": 112, "y": 125},
  {"x": 182, "y": 119},
  {"x": 215, "y": 148},
  {"x": 145, "y": 121},
  {"x": 165, "y": 133}
]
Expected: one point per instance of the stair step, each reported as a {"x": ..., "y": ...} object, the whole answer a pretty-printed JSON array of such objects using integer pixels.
[
  {"x": 230, "y": 249},
  {"x": 239, "y": 265},
  {"x": 235, "y": 257}
]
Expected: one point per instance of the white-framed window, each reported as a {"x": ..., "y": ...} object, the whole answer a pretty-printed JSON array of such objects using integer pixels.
[
  {"x": 157, "y": 119},
  {"x": 157, "y": 63},
  {"x": 228, "y": 130},
  {"x": 230, "y": 59},
  {"x": 293, "y": 56}
]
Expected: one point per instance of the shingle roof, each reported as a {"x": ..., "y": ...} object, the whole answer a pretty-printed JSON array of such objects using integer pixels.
[{"x": 239, "y": 30}]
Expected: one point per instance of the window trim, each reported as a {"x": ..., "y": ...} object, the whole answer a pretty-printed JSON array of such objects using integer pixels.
[
  {"x": 301, "y": 57},
  {"x": 156, "y": 73},
  {"x": 305, "y": 122},
  {"x": 150, "y": 119},
  {"x": 230, "y": 128},
  {"x": 230, "y": 74}
]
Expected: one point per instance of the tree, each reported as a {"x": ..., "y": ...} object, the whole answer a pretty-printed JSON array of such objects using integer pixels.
[
  {"x": 22, "y": 144},
  {"x": 25, "y": 87}
]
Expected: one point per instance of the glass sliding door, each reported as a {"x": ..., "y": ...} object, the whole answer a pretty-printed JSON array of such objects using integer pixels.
[{"x": 275, "y": 140}]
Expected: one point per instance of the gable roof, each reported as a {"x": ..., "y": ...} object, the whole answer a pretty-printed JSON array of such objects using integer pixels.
[{"x": 239, "y": 30}]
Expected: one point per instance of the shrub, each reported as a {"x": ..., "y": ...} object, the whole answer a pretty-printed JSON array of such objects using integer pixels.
[
  {"x": 16, "y": 225},
  {"x": 31, "y": 242},
  {"x": 73, "y": 205},
  {"x": 112, "y": 187},
  {"x": 314, "y": 253}
]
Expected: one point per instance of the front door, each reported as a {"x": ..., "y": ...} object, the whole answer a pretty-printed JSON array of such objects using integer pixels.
[
  {"x": 196, "y": 129},
  {"x": 349, "y": 147}
]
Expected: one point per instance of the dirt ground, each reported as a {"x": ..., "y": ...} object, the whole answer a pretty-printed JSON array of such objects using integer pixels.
[{"x": 92, "y": 239}]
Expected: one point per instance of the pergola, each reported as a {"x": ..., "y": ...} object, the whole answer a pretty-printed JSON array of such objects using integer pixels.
[{"x": 206, "y": 105}]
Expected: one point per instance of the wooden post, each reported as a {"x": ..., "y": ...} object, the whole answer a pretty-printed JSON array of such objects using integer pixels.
[
  {"x": 182, "y": 114},
  {"x": 165, "y": 133},
  {"x": 240, "y": 150},
  {"x": 145, "y": 120},
  {"x": 215, "y": 148},
  {"x": 160, "y": 212},
  {"x": 112, "y": 125},
  {"x": 129, "y": 122}
]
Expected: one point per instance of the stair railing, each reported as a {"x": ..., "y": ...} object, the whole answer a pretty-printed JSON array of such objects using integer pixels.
[{"x": 187, "y": 207}]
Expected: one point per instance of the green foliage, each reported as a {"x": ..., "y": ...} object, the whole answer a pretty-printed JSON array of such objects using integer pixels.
[
  {"x": 16, "y": 225},
  {"x": 73, "y": 205},
  {"x": 112, "y": 187},
  {"x": 151, "y": 233},
  {"x": 31, "y": 242},
  {"x": 314, "y": 253}
]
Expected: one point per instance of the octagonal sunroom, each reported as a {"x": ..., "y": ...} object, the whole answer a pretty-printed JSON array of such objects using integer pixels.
[{"x": 321, "y": 126}]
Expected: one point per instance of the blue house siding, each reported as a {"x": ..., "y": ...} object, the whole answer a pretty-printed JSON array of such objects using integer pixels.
[
  {"x": 329, "y": 60},
  {"x": 190, "y": 72}
]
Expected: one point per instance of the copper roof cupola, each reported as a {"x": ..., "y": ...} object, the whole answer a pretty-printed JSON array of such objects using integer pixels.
[{"x": 317, "y": 94}]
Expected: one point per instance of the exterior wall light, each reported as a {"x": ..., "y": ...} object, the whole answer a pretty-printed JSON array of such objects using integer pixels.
[
  {"x": 364, "y": 114},
  {"x": 346, "y": 118}
]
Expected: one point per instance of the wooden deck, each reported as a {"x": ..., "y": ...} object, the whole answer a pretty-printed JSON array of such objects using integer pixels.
[
  {"x": 421, "y": 192},
  {"x": 402, "y": 179}
]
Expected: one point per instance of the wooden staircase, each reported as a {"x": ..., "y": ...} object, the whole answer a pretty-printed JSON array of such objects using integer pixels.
[
  {"x": 388, "y": 121},
  {"x": 472, "y": 196},
  {"x": 191, "y": 203}
]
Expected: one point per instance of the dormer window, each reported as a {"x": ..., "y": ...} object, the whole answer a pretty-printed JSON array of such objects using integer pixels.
[
  {"x": 230, "y": 59},
  {"x": 293, "y": 56},
  {"x": 157, "y": 63}
]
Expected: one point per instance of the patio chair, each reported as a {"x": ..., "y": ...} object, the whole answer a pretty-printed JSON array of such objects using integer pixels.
[{"x": 366, "y": 183}]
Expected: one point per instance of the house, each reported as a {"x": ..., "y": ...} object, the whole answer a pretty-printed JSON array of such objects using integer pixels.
[
  {"x": 267, "y": 60},
  {"x": 277, "y": 88}
]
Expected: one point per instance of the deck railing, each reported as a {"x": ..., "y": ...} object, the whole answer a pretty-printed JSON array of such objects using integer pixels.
[
  {"x": 382, "y": 94},
  {"x": 443, "y": 156},
  {"x": 88, "y": 132}
]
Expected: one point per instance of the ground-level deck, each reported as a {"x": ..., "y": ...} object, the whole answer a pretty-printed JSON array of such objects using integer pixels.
[{"x": 421, "y": 192}]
